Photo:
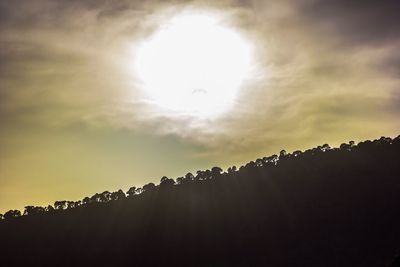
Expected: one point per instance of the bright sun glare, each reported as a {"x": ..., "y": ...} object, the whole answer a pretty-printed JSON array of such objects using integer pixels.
[{"x": 193, "y": 65}]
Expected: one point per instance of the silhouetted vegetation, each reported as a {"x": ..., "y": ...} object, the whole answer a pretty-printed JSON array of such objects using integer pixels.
[{"x": 321, "y": 207}]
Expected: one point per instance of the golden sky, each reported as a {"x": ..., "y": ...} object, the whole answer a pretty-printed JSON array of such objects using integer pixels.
[{"x": 73, "y": 121}]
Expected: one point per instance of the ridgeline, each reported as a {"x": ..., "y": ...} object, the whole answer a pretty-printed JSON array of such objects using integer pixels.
[{"x": 324, "y": 207}]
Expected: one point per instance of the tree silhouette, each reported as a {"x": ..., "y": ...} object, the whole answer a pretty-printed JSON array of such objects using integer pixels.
[
  {"x": 319, "y": 207},
  {"x": 70, "y": 204},
  {"x": 216, "y": 172},
  {"x": 149, "y": 187},
  {"x": 77, "y": 203},
  {"x": 28, "y": 210},
  {"x": 199, "y": 175},
  {"x": 86, "y": 201},
  {"x": 60, "y": 205},
  {"x": 188, "y": 178},
  {"x": 232, "y": 169},
  {"x": 95, "y": 198},
  {"x": 104, "y": 197},
  {"x": 180, "y": 180},
  {"x": 164, "y": 178},
  {"x": 118, "y": 195},
  {"x": 166, "y": 182},
  {"x": 49, "y": 208},
  {"x": 32, "y": 210},
  {"x": 139, "y": 190},
  {"x": 131, "y": 192},
  {"x": 11, "y": 214}
]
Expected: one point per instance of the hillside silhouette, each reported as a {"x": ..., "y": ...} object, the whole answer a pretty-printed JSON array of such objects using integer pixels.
[{"x": 320, "y": 207}]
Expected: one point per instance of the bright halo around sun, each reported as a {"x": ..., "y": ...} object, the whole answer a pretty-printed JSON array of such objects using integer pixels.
[{"x": 193, "y": 65}]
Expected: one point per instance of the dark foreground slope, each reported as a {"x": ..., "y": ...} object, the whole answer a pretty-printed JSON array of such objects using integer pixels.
[{"x": 323, "y": 207}]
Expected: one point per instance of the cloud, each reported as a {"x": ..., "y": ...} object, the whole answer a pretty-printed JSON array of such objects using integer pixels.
[
  {"x": 323, "y": 65},
  {"x": 361, "y": 22}
]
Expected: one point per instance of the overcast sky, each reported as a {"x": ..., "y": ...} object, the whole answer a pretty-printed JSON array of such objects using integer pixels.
[{"x": 73, "y": 122}]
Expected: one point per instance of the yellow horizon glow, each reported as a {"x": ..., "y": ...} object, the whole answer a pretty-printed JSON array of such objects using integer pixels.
[{"x": 193, "y": 65}]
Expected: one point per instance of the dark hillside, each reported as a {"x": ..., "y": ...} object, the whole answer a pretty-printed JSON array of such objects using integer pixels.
[{"x": 322, "y": 207}]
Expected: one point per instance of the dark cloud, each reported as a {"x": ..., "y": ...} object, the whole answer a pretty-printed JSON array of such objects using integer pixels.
[
  {"x": 358, "y": 21},
  {"x": 392, "y": 65},
  {"x": 49, "y": 14}
]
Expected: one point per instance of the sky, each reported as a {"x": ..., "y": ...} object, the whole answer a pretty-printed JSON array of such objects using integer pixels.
[{"x": 74, "y": 121}]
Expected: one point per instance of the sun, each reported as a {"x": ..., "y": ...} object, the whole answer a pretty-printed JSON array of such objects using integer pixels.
[{"x": 193, "y": 65}]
